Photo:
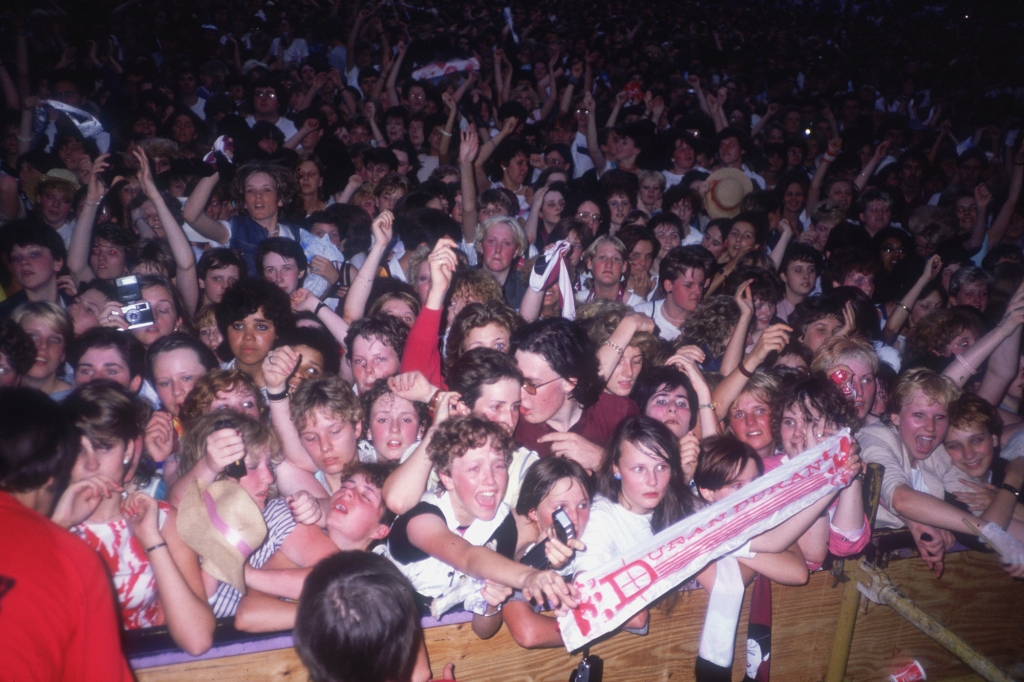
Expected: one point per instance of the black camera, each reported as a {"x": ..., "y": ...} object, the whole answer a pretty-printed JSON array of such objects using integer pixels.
[{"x": 536, "y": 558}]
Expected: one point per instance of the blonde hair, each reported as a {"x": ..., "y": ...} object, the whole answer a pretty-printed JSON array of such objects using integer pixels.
[
  {"x": 647, "y": 175},
  {"x": 939, "y": 388},
  {"x": 255, "y": 435},
  {"x": 485, "y": 228},
  {"x": 601, "y": 241},
  {"x": 330, "y": 394},
  {"x": 51, "y": 314},
  {"x": 839, "y": 349}
]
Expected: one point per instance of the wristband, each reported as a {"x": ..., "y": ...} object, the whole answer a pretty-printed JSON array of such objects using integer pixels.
[
  {"x": 319, "y": 305},
  {"x": 615, "y": 347},
  {"x": 1010, "y": 488},
  {"x": 155, "y": 547},
  {"x": 828, "y": 157},
  {"x": 432, "y": 403},
  {"x": 278, "y": 397},
  {"x": 744, "y": 371},
  {"x": 968, "y": 366},
  {"x": 446, "y": 133},
  {"x": 709, "y": 406},
  {"x": 904, "y": 307}
]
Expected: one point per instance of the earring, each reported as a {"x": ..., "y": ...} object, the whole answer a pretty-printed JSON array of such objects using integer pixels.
[
  {"x": 127, "y": 461},
  {"x": 617, "y": 477}
]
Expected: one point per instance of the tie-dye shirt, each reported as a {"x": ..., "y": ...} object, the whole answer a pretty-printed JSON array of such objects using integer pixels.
[{"x": 129, "y": 565}]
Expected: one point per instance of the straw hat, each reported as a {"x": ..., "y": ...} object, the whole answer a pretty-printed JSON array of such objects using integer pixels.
[
  {"x": 61, "y": 174},
  {"x": 724, "y": 190},
  {"x": 223, "y": 525}
]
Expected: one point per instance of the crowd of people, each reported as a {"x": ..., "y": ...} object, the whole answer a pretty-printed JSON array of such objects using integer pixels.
[{"x": 298, "y": 292}]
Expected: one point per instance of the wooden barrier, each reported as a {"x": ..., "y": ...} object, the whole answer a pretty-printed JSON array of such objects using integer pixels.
[{"x": 974, "y": 598}]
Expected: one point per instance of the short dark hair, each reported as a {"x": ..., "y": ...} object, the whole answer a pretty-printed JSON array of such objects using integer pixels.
[
  {"x": 357, "y": 620},
  {"x": 475, "y": 316},
  {"x": 566, "y": 348},
  {"x": 845, "y": 261},
  {"x": 810, "y": 310},
  {"x": 177, "y": 340},
  {"x": 26, "y": 233},
  {"x": 284, "y": 247},
  {"x": 634, "y": 234},
  {"x": 132, "y": 352},
  {"x": 677, "y": 262},
  {"x": 387, "y": 329},
  {"x": 17, "y": 346},
  {"x": 542, "y": 476},
  {"x": 38, "y": 441},
  {"x": 316, "y": 338},
  {"x": 720, "y": 459},
  {"x": 819, "y": 392},
  {"x": 478, "y": 368},
  {"x": 653, "y": 378},
  {"x": 284, "y": 181},
  {"x": 800, "y": 253},
  {"x": 246, "y": 296},
  {"x": 219, "y": 258},
  {"x": 758, "y": 220}
]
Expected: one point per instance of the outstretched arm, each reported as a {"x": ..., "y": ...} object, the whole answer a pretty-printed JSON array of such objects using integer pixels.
[
  {"x": 467, "y": 154},
  {"x": 81, "y": 238}
]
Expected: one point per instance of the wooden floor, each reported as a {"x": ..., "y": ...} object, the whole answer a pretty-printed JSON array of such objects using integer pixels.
[{"x": 974, "y": 598}]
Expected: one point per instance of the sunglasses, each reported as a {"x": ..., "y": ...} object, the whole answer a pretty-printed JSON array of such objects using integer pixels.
[{"x": 531, "y": 387}]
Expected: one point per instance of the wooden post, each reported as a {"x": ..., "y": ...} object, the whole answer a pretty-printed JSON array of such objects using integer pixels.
[{"x": 846, "y": 619}]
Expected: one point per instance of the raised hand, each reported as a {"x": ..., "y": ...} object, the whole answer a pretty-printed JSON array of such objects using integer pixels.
[
  {"x": 305, "y": 508},
  {"x": 744, "y": 299},
  {"x": 774, "y": 338},
  {"x": 142, "y": 512},
  {"x": 158, "y": 438},
  {"x": 81, "y": 500},
  {"x": 468, "y": 147},
  {"x": 223, "y": 447},
  {"x": 412, "y": 386},
  {"x": 689, "y": 450},
  {"x": 382, "y": 228},
  {"x": 278, "y": 367}
]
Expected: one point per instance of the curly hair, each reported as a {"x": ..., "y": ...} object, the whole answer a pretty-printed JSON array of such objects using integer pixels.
[
  {"x": 477, "y": 316},
  {"x": 204, "y": 393},
  {"x": 567, "y": 350},
  {"x": 330, "y": 394},
  {"x": 815, "y": 392},
  {"x": 246, "y": 296},
  {"x": 455, "y": 437},
  {"x": 938, "y": 330},
  {"x": 840, "y": 349},
  {"x": 283, "y": 178},
  {"x": 599, "y": 318},
  {"x": 765, "y": 285},
  {"x": 476, "y": 285},
  {"x": 711, "y": 325},
  {"x": 971, "y": 410},
  {"x": 381, "y": 389}
]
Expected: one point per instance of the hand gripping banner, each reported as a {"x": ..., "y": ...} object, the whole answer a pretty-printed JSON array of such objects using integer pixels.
[{"x": 613, "y": 594}]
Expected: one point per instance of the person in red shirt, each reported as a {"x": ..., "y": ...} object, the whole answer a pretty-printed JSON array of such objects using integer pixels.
[
  {"x": 57, "y": 611},
  {"x": 564, "y": 409}
]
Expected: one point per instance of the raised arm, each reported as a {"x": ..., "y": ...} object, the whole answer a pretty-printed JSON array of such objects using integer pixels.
[
  {"x": 446, "y": 133},
  {"x": 393, "y": 97},
  {"x": 738, "y": 341},
  {"x": 899, "y": 316},
  {"x": 835, "y": 146},
  {"x": 779, "y": 250},
  {"x": 611, "y": 351},
  {"x": 467, "y": 154},
  {"x": 982, "y": 197},
  {"x": 186, "y": 280},
  {"x": 593, "y": 146},
  {"x": 1004, "y": 364},
  {"x": 1002, "y": 220},
  {"x": 194, "y": 211},
  {"x": 488, "y": 147},
  {"x": 861, "y": 180},
  {"x": 531, "y": 222},
  {"x": 359, "y": 291},
  {"x": 81, "y": 238},
  {"x": 774, "y": 338}
]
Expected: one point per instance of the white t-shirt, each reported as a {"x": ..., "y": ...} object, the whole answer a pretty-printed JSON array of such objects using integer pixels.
[
  {"x": 669, "y": 331},
  {"x": 283, "y": 124},
  {"x": 293, "y": 54},
  {"x": 612, "y": 532}
]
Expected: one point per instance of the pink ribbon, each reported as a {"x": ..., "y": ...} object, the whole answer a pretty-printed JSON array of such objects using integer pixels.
[{"x": 233, "y": 537}]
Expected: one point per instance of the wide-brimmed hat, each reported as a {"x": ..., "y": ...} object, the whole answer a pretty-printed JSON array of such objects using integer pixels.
[
  {"x": 58, "y": 174},
  {"x": 223, "y": 525},
  {"x": 724, "y": 190}
]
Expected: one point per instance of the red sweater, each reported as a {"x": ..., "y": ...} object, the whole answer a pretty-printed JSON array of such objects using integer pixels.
[
  {"x": 597, "y": 424},
  {"x": 421, "y": 349},
  {"x": 57, "y": 611}
]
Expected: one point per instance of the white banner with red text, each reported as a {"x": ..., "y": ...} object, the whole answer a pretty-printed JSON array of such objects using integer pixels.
[{"x": 613, "y": 594}]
